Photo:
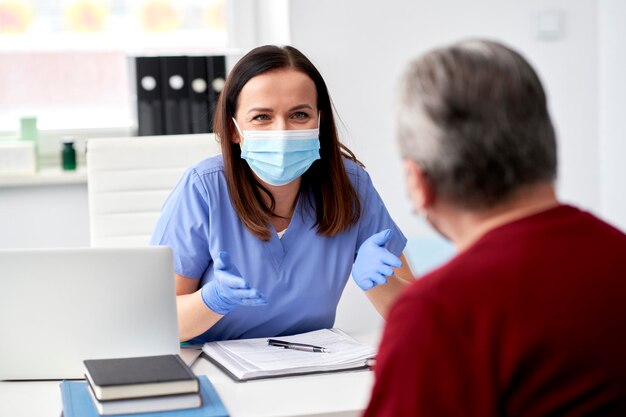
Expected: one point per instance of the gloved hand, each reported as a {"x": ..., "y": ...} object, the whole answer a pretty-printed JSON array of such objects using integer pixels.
[
  {"x": 374, "y": 262},
  {"x": 228, "y": 289}
]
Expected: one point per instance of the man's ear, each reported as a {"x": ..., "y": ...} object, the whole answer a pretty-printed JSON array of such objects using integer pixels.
[{"x": 420, "y": 189}]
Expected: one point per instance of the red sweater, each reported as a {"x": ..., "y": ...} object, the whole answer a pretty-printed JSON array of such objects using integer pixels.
[{"x": 528, "y": 321}]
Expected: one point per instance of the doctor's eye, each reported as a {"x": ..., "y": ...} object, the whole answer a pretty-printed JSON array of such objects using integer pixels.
[
  {"x": 300, "y": 115},
  {"x": 261, "y": 117}
]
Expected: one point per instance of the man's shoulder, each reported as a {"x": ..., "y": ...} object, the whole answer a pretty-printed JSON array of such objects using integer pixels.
[{"x": 553, "y": 245}]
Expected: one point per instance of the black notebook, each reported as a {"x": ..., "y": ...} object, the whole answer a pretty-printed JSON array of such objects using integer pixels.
[{"x": 118, "y": 378}]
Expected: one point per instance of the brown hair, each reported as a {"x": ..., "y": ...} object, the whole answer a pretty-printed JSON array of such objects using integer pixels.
[{"x": 336, "y": 202}]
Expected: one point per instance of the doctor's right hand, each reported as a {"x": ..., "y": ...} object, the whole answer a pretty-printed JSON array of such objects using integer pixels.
[
  {"x": 228, "y": 289},
  {"x": 374, "y": 263}
]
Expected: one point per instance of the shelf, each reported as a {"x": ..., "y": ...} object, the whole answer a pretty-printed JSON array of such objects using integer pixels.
[
  {"x": 45, "y": 177},
  {"x": 199, "y": 41},
  {"x": 178, "y": 43}
]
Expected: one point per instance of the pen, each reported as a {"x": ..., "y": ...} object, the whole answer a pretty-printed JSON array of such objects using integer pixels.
[{"x": 297, "y": 346}]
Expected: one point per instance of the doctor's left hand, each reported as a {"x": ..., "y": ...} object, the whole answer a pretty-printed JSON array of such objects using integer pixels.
[
  {"x": 374, "y": 262},
  {"x": 228, "y": 289}
]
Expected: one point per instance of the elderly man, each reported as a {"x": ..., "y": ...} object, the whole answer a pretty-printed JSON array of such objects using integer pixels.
[{"x": 529, "y": 319}]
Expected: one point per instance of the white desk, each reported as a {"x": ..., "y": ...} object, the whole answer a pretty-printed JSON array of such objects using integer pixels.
[{"x": 335, "y": 394}]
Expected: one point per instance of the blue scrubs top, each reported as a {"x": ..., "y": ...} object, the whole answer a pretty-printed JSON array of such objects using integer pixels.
[{"x": 302, "y": 275}]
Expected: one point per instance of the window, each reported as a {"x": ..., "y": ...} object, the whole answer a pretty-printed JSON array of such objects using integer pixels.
[{"x": 66, "y": 63}]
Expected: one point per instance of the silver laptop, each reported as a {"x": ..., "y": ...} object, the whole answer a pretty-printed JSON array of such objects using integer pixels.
[{"x": 61, "y": 306}]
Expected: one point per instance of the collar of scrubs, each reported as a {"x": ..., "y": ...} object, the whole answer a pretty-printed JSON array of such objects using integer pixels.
[{"x": 303, "y": 218}]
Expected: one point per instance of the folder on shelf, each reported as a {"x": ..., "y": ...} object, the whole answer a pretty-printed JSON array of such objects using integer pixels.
[
  {"x": 175, "y": 95},
  {"x": 248, "y": 359},
  {"x": 198, "y": 94},
  {"x": 216, "y": 76},
  {"x": 148, "y": 89}
]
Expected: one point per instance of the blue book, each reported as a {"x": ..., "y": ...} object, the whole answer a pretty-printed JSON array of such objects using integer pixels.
[{"x": 77, "y": 402}]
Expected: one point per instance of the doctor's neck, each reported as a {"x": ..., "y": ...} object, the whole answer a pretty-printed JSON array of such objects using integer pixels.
[{"x": 284, "y": 196}]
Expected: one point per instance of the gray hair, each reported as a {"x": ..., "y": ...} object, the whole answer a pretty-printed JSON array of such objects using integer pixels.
[{"x": 474, "y": 117}]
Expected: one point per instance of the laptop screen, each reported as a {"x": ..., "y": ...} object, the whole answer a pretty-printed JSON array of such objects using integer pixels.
[{"x": 61, "y": 306}]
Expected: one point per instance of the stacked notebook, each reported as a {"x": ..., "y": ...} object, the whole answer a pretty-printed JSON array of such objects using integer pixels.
[{"x": 158, "y": 385}]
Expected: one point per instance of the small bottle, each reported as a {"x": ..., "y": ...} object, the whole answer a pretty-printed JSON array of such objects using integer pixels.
[
  {"x": 68, "y": 155},
  {"x": 29, "y": 132}
]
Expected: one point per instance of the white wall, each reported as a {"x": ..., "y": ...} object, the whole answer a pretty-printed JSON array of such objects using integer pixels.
[
  {"x": 49, "y": 216},
  {"x": 257, "y": 22},
  {"x": 273, "y": 22},
  {"x": 612, "y": 71},
  {"x": 362, "y": 47}
]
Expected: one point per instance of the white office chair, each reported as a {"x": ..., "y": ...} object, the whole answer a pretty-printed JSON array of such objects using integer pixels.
[{"x": 129, "y": 179}]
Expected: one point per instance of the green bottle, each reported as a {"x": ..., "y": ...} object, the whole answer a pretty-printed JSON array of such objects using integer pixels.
[{"x": 68, "y": 155}]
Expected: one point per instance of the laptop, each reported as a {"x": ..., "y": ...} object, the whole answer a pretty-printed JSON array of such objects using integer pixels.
[{"x": 61, "y": 306}]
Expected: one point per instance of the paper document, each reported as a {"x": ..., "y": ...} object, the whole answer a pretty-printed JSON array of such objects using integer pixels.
[{"x": 254, "y": 358}]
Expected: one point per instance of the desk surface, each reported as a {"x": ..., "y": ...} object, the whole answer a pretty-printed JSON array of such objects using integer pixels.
[{"x": 332, "y": 394}]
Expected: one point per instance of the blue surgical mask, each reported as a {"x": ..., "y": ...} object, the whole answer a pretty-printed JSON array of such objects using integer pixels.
[{"x": 280, "y": 156}]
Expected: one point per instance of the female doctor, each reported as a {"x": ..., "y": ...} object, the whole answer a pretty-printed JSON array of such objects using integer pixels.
[{"x": 265, "y": 235}]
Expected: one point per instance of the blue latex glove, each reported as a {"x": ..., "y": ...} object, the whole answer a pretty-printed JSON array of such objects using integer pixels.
[
  {"x": 228, "y": 289},
  {"x": 374, "y": 262}
]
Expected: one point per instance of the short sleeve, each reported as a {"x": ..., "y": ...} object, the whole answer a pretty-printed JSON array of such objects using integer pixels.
[
  {"x": 184, "y": 226},
  {"x": 374, "y": 215}
]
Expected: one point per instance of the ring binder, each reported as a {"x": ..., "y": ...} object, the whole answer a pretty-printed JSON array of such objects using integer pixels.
[
  {"x": 175, "y": 95},
  {"x": 216, "y": 76},
  {"x": 149, "y": 105},
  {"x": 199, "y": 95}
]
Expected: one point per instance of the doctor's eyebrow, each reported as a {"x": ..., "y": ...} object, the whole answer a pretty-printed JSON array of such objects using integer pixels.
[
  {"x": 300, "y": 107},
  {"x": 268, "y": 110},
  {"x": 261, "y": 109}
]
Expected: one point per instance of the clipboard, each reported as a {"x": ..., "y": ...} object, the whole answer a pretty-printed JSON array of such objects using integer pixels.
[{"x": 252, "y": 359}]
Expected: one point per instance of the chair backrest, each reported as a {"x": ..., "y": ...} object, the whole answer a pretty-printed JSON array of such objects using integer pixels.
[{"x": 129, "y": 179}]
